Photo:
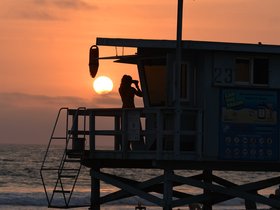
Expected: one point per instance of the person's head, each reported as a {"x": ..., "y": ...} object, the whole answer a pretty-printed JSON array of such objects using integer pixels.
[{"x": 126, "y": 79}]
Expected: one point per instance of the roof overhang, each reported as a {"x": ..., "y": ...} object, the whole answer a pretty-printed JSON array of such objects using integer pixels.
[{"x": 188, "y": 44}]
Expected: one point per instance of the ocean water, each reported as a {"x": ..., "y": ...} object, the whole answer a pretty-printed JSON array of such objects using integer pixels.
[{"x": 21, "y": 186}]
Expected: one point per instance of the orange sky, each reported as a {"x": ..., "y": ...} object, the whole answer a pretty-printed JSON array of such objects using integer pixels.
[{"x": 45, "y": 43}]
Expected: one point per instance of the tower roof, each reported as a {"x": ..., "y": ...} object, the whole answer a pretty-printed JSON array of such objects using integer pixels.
[{"x": 189, "y": 44}]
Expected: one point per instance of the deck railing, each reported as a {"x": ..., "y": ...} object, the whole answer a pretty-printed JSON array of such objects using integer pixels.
[{"x": 138, "y": 130}]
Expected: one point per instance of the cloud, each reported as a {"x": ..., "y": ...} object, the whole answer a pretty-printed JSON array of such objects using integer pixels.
[
  {"x": 37, "y": 15},
  {"x": 48, "y": 10},
  {"x": 23, "y": 100},
  {"x": 28, "y": 101},
  {"x": 65, "y": 4}
]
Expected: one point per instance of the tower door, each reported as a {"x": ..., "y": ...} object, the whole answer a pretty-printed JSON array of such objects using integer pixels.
[
  {"x": 188, "y": 84},
  {"x": 154, "y": 81}
]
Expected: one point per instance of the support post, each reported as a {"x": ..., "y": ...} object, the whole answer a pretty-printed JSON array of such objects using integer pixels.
[
  {"x": 207, "y": 177},
  {"x": 95, "y": 190},
  {"x": 250, "y": 204},
  {"x": 168, "y": 189}
]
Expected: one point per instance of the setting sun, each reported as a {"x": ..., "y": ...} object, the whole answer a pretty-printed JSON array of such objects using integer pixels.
[{"x": 102, "y": 85}]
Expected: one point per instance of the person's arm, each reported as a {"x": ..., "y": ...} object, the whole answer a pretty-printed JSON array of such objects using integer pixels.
[{"x": 138, "y": 91}]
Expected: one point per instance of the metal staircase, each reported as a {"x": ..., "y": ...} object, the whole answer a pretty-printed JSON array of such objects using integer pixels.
[{"x": 62, "y": 161}]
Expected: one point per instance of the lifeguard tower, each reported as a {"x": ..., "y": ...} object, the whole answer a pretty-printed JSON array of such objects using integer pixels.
[{"x": 208, "y": 106}]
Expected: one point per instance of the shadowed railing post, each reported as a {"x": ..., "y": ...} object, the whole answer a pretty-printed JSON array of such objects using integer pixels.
[
  {"x": 159, "y": 135},
  {"x": 123, "y": 131},
  {"x": 91, "y": 131},
  {"x": 117, "y": 136},
  {"x": 199, "y": 132}
]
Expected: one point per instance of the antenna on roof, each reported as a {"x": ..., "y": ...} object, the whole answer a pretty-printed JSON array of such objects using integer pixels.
[
  {"x": 179, "y": 49},
  {"x": 177, "y": 75},
  {"x": 179, "y": 21}
]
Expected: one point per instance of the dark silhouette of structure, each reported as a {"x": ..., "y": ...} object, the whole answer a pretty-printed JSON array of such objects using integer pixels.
[{"x": 223, "y": 88}]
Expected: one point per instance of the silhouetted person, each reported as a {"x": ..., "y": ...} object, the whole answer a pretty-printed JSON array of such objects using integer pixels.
[{"x": 127, "y": 92}]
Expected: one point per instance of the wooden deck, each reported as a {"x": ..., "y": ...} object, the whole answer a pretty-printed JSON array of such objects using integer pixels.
[
  {"x": 188, "y": 161},
  {"x": 156, "y": 156}
]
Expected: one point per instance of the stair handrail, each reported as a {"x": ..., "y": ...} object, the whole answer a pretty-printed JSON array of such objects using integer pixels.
[
  {"x": 48, "y": 148},
  {"x": 52, "y": 134}
]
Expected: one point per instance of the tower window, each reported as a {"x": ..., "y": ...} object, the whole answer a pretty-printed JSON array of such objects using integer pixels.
[{"x": 252, "y": 71}]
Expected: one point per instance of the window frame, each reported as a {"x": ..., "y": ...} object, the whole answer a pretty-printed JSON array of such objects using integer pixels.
[{"x": 251, "y": 71}]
